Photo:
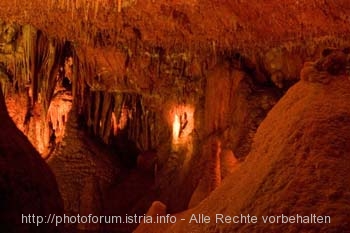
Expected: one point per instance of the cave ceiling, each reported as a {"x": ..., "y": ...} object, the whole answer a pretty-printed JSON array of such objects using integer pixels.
[
  {"x": 182, "y": 23},
  {"x": 109, "y": 33}
]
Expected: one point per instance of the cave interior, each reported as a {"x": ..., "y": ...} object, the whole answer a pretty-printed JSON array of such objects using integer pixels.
[{"x": 174, "y": 108}]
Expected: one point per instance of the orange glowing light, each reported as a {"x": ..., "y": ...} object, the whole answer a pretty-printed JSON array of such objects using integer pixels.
[
  {"x": 176, "y": 127},
  {"x": 114, "y": 124},
  {"x": 182, "y": 124}
]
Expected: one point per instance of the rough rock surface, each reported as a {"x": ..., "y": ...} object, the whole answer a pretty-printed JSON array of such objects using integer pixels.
[
  {"x": 182, "y": 22},
  {"x": 27, "y": 185},
  {"x": 136, "y": 63},
  {"x": 133, "y": 195},
  {"x": 231, "y": 111},
  {"x": 299, "y": 164},
  {"x": 84, "y": 171}
]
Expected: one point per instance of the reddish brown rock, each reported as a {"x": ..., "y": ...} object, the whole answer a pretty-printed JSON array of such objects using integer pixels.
[
  {"x": 228, "y": 162},
  {"x": 157, "y": 209},
  {"x": 298, "y": 165},
  {"x": 27, "y": 185},
  {"x": 333, "y": 62},
  {"x": 147, "y": 162}
]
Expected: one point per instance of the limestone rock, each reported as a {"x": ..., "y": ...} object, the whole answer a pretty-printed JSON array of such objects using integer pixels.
[
  {"x": 228, "y": 162},
  {"x": 147, "y": 161},
  {"x": 299, "y": 164},
  {"x": 90, "y": 203},
  {"x": 333, "y": 62},
  {"x": 27, "y": 185},
  {"x": 157, "y": 208}
]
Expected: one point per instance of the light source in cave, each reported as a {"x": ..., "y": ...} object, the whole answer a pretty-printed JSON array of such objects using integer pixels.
[
  {"x": 114, "y": 124},
  {"x": 121, "y": 122},
  {"x": 182, "y": 124},
  {"x": 68, "y": 68},
  {"x": 61, "y": 103},
  {"x": 182, "y": 141},
  {"x": 59, "y": 109},
  {"x": 176, "y": 127},
  {"x": 124, "y": 116}
]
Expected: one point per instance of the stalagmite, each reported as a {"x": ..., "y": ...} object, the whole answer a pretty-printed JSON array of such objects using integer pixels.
[
  {"x": 157, "y": 209},
  {"x": 214, "y": 170},
  {"x": 212, "y": 175},
  {"x": 228, "y": 162}
]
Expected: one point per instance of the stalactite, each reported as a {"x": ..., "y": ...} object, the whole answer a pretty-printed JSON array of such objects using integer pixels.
[
  {"x": 107, "y": 128},
  {"x": 29, "y": 37},
  {"x": 3, "y": 84},
  {"x": 52, "y": 4},
  {"x": 119, "y": 6},
  {"x": 129, "y": 103},
  {"x": 43, "y": 64},
  {"x": 60, "y": 4},
  {"x": 77, "y": 4},
  {"x": 88, "y": 104},
  {"x": 139, "y": 128},
  {"x": 154, "y": 130},
  {"x": 81, "y": 91},
  {"x": 96, "y": 119},
  {"x": 145, "y": 131},
  {"x": 118, "y": 104},
  {"x": 96, "y": 7},
  {"x": 86, "y": 11},
  {"x": 105, "y": 106},
  {"x": 58, "y": 58}
]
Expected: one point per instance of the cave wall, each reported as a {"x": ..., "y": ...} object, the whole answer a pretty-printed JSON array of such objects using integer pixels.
[
  {"x": 30, "y": 64},
  {"x": 133, "y": 77},
  {"x": 85, "y": 170},
  {"x": 27, "y": 185},
  {"x": 128, "y": 97},
  {"x": 298, "y": 148},
  {"x": 301, "y": 146}
]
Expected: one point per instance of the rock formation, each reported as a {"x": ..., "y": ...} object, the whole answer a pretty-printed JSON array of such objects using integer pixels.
[
  {"x": 94, "y": 84},
  {"x": 332, "y": 63},
  {"x": 27, "y": 185},
  {"x": 219, "y": 164},
  {"x": 228, "y": 162},
  {"x": 157, "y": 208},
  {"x": 296, "y": 151}
]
